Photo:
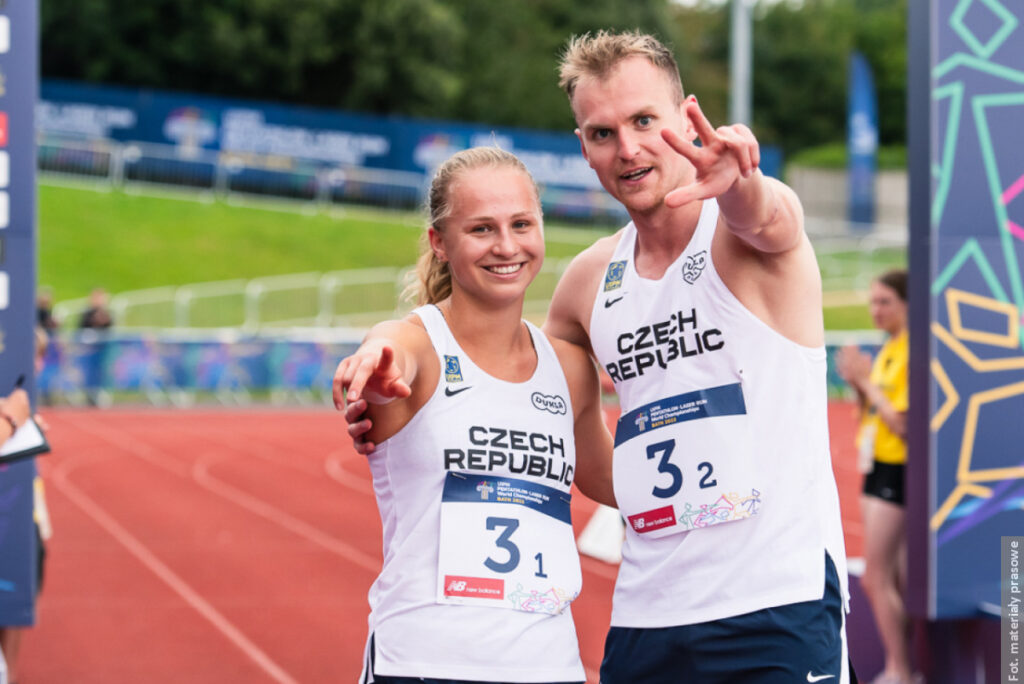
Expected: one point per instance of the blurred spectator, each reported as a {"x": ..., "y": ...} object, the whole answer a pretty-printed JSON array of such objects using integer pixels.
[
  {"x": 881, "y": 389},
  {"x": 95, "y": 319},
  {"x": 97, "y": 316},
  {"x": 44, "y": 312}
]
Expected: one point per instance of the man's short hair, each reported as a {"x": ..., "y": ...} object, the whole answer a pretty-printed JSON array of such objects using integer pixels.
[{"x": 596, "y": 55}]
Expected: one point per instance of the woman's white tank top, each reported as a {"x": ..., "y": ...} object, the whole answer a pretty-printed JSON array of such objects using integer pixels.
[{"x": 480, "y": 562}]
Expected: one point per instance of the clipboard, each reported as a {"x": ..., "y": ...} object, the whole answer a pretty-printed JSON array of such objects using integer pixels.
[{"x": 27, "y": 442}]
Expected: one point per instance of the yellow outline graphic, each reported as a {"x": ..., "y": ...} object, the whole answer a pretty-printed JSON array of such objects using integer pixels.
[
  {"x": 952, "y": 396},
  {"x": 1010, "y": 340},
  {"x": 967, "y": 479},
  {"x": 979, "y": 365}
]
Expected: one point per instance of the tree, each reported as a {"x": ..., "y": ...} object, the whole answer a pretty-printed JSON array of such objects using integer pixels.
[{"x": 463, "y": 59}]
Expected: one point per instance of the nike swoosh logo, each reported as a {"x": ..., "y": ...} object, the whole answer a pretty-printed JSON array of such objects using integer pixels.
[
  {"x": 818, "y": 678},
  {"x": 449, "y": 392},
  {"x": 609, "y": 302}
]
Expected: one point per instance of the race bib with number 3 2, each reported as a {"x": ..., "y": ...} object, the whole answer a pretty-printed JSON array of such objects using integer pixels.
[{"x": 686, "y": 462}]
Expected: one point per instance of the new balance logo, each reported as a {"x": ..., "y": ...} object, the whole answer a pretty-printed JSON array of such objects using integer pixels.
[
  {"x": 609, "y": 302},
  {"x": 449, "y": 392}
]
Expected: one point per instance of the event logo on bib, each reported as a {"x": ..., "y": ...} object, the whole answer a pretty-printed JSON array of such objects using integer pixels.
[
  {"x": 613, "y": 278},
  {"x": 485, "y": 488},
  {"x": 554, "y": 404},
  {"x": 452, "y": 370},
  {"x": 694, "y": 266},
  {"x": 641, "y": 421}
]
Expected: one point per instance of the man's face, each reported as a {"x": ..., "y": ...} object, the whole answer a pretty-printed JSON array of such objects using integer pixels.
[{"x": 620, "y": 118}]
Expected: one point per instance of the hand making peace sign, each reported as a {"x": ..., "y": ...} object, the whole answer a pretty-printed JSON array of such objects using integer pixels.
[{"x": 725, "y": 154}]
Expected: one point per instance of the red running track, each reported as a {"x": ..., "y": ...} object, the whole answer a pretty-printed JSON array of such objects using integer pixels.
[{"x": 236, "y": 546}]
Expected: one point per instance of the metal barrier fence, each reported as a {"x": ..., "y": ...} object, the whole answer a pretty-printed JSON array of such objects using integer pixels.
[
  {"x": 360, "y": 298},
  {"x": 353, "y": 299}
]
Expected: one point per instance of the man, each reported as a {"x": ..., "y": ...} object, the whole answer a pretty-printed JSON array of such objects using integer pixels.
[{"x": 706, "y": 313}]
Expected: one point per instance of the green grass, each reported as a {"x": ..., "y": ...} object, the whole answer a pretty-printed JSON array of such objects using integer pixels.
[
  {"x": 124, "y": 241},
  {"x": 833, "y": 156},
  {"x": 121, "y": 241},
  {"x": 854, "y": 317}
]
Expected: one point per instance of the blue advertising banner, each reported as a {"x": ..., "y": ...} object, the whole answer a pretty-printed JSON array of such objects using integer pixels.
[
  {"x": 861, "y": 141},
  {"x": 160, "y": 365},
  {"x": 18, "y": 84},
  {"x": 274, "y": 133},
  {"x": 285, "y": 150}
]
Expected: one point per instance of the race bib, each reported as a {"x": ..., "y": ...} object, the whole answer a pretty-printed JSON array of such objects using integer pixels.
[
  {"x": 686, "y": 462},
  {"x": 506, "y": 543}
]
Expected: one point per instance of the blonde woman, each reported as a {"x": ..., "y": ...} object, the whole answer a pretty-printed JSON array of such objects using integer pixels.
[{"x": 480, "y": 425}]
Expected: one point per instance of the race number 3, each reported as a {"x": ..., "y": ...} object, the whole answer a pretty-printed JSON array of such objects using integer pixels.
[
  {"x": 665, "y": 449},
  {"x": 503, "y": 541},
  {"x": 672, "y": 470}
]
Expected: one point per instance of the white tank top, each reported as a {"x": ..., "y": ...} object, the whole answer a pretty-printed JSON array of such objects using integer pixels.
[
  {"x": 722, "y": 465},
  {"x": 480, "y": 562}
]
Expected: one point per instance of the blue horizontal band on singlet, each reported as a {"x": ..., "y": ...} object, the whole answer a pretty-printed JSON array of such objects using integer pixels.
[
  {"x": 725, "y": 400},
  {"x": 507, "y": 490}
]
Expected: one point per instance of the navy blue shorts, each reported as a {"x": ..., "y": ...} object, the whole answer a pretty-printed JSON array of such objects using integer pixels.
[{"x": 799, "y": 642}]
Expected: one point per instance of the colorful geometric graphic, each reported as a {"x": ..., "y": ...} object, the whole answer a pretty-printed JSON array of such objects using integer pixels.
[{"x": 976, "y": 340}]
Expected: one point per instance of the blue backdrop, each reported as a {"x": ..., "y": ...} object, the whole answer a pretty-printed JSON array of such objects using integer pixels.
[{"x": 19, "y": 68}]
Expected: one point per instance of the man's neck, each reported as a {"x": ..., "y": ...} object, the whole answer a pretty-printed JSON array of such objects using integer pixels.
[{"x": 661, "y": 236}]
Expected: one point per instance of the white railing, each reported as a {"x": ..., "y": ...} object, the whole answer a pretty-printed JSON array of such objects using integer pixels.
[{"x": 353, "y": 299}]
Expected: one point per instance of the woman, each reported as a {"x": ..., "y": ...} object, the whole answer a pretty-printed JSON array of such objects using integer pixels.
[
  {"x": 474, "y": 414},
  {"x": 882, "y": 391}
]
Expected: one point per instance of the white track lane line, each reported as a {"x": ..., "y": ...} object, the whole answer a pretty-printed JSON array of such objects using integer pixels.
[
  {"x": 132, "y": 446},
  {"x": 336, "y": 471},
  {"x": 202, "y": 476},
  {"x": 199, "y": 474},
  {"x": 332, "y": 464},
  {"x": 178, "y": 585}
]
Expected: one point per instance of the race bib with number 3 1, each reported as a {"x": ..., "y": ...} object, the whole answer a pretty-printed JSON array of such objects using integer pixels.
[{"x": 506, "y": 543}]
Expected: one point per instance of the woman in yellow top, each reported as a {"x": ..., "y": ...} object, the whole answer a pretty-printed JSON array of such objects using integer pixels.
[{"x": 882, "y": 390}]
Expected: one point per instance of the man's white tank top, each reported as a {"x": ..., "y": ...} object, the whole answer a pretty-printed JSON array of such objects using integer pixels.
[
  {"x": 480, "y": 562},
  {"x": 722, "y": 465}
]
